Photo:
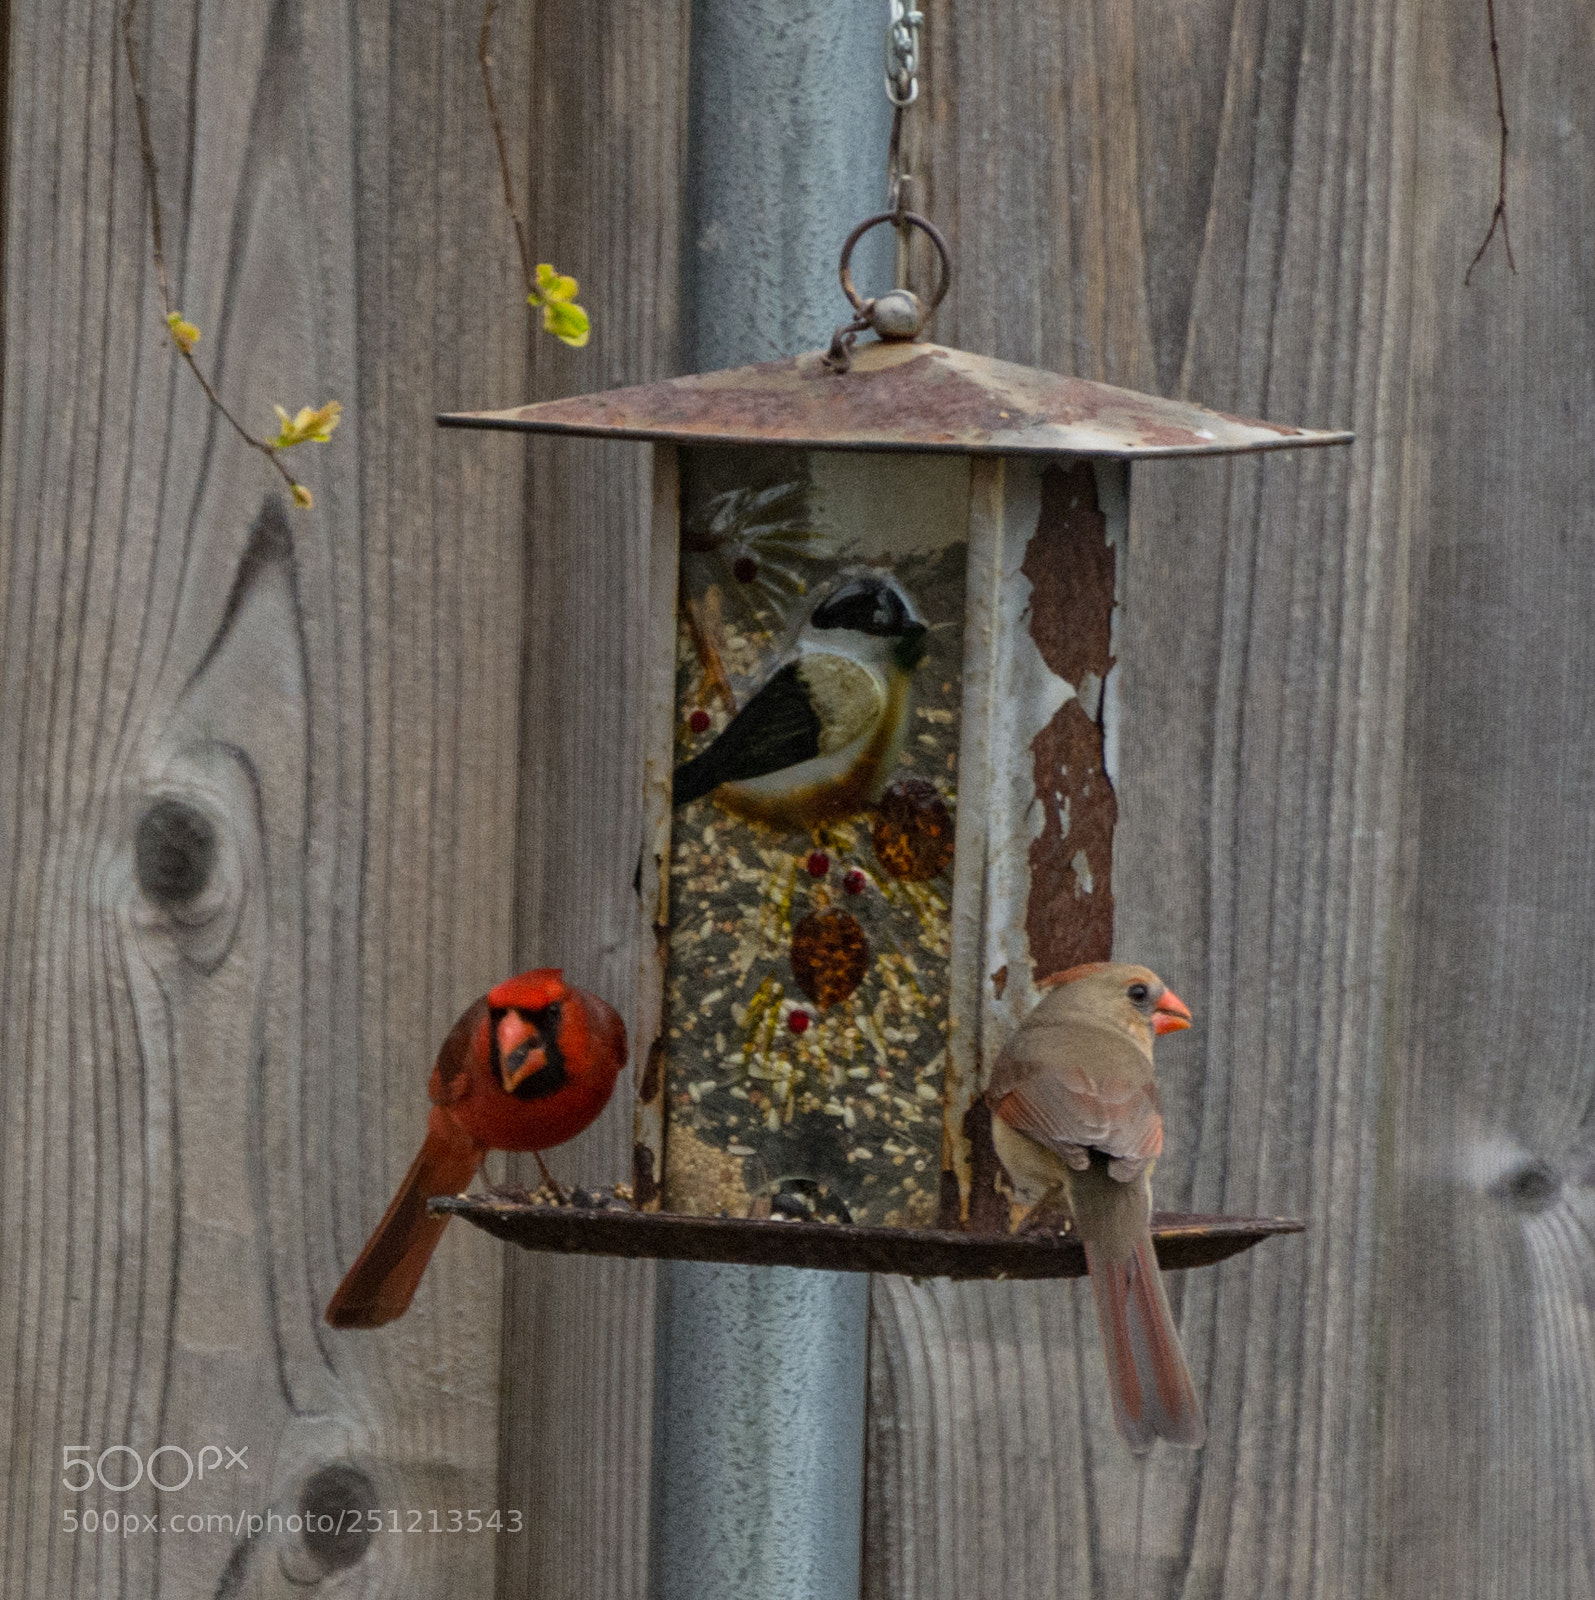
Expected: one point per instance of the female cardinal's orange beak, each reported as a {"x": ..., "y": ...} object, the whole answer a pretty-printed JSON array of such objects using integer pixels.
[{"x": 1170, "y": 1014}]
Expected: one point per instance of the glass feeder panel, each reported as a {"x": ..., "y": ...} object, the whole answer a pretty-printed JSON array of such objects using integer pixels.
[{"x": 819, "y": 659}]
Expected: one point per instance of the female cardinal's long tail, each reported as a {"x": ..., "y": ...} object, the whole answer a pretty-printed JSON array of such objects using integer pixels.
[
  {"x": 381, "y": 1283},
  {"x": 1153, "y": 1396}
]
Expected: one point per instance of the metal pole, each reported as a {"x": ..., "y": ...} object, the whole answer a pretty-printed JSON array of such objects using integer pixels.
[
  {"x": 758, "y": 1469},
  {"x": 788, "y": 127},
  {"x": 758, "y": 1453}
]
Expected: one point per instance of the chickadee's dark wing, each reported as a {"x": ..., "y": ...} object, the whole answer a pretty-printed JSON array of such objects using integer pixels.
[{"x": 777, "y": 728}]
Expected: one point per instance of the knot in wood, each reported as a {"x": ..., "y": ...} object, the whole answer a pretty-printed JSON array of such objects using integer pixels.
[
  {"x": 1532, "y": 1187},
  {"x": 334, "y": 1502},
  {"x": 174, "y": 852}
]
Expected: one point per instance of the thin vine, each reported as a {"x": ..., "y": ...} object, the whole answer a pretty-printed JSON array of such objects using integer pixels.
[
  {"x": 554, "y": 292},
  {"x": 310, "y": 423},
  {"x": 1498, "y": 216}
]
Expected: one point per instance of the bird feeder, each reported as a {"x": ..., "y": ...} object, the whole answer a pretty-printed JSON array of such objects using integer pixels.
[{"x": 881, "y": 772}]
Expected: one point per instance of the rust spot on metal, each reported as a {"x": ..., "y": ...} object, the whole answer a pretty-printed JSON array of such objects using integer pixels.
[
  {"x": 999, "y": 980},
  {"x": 1069, "y": 918},
  {"x": 644, "y": 1186},
  {"x": 653, "y": 1077},
  {"x": 1281, "y": 428},
  {"x": 611, "y": 1230},
  {"x": 903, "y": 396},
  {"x": 988, "y": 1204},
  {"x": 1070, "y": 565},
  {"x": 1165, "y": 436}
]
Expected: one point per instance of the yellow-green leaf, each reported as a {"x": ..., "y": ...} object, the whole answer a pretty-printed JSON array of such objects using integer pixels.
[
  {"x": 309, "y": 424},
  {"x": 566, "y": 322},
  {"x": 184, "y": 334},
  {"x": 302, "y": 496},
  {"x": 553, "y": 285}
]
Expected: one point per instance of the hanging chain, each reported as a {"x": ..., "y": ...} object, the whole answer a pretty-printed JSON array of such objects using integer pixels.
[
  {"x": 902, "y": 54},
  {"x": 900, "y": 315},
  {"x": 902, "y": 89}
]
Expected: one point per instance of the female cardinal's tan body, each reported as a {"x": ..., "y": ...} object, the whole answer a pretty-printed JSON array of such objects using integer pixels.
[{"x": 1076, "y": 1115}]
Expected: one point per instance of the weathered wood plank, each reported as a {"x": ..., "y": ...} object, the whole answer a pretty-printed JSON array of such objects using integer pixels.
[
  {"x": 1256, "y": 206},
  {"x": 1490, "y": 1461},
  {"x": 607, "y": 133},
  {"x": 1209, "y": 200},
  {"x": 210, "y": 1096}
]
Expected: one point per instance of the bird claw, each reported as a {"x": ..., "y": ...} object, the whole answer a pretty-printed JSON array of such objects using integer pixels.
[
  {"x": 550, "y": 1180},
  {"x": 1048, "y": 1219}
]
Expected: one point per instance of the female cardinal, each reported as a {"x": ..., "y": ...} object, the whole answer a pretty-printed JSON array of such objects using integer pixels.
[
  {"x": 527, "y": 1067},
  {"x": 1075, "y": 1108},
  {"x": 822, "y": 734}
]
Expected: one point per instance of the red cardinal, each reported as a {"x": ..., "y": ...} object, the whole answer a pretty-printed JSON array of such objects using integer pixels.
[
  {"x": 1076, "y": 1111},
  {"x": 527, "y": 1067}
]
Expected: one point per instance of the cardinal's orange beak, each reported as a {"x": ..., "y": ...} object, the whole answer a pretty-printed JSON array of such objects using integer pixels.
[
  {"x": 518, "y": 1053},
  {"x": 1170, "y": 1014}
]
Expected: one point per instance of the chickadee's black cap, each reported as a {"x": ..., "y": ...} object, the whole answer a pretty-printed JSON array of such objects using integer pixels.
[{"x": 868, "y": 605}]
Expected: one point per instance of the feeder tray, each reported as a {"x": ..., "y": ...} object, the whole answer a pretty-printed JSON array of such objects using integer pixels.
[
  {"x": 891, "y": 575},
  {"x": 1182, "y": 1240}
]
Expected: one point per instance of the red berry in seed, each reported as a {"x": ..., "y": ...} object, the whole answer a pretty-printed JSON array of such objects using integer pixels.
[
  {"x": 855, "y": 882},
  {"x": 699, "y": 720},
  {"x": 798, "y": 1021},
  {"x": 818, "y": 864},
  {"x": 744, "y": 569}
]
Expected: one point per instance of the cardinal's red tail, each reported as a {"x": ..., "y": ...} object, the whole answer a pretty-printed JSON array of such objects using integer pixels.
[
  {"x": 381, "y": 1283},
  {"x": 1153, "y": 1397}
]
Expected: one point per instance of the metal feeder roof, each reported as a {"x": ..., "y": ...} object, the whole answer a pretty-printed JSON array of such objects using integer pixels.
[{"x": 903, "y": 396}]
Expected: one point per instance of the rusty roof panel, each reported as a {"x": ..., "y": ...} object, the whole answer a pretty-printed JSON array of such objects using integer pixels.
[{"x": 903, "y": 397}]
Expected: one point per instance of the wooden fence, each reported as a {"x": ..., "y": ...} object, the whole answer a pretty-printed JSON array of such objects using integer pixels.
[{"x": 1355, "y": 803}]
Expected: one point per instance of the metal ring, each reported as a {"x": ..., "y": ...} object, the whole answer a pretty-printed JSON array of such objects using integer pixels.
[{"x": 925, "y": 226}]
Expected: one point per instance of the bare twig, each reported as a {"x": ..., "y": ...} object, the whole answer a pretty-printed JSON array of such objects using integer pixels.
[
  {"x": 484, "y": 55},
  {"x": 300, "y": 494},
  {"x": 552, "y": 291},
  {"x": 1498, "y": 216}
]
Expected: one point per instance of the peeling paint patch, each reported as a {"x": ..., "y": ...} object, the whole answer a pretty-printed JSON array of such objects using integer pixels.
[
  {"x": 988, "y": 1199},
  {"x": 1090, "y": 692},
  {"x": 1071, "y": 566},
  {"x": 1080, "y": 866}
]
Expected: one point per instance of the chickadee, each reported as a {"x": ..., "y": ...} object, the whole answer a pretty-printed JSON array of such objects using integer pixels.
[{"x": 822, "y": 733}]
